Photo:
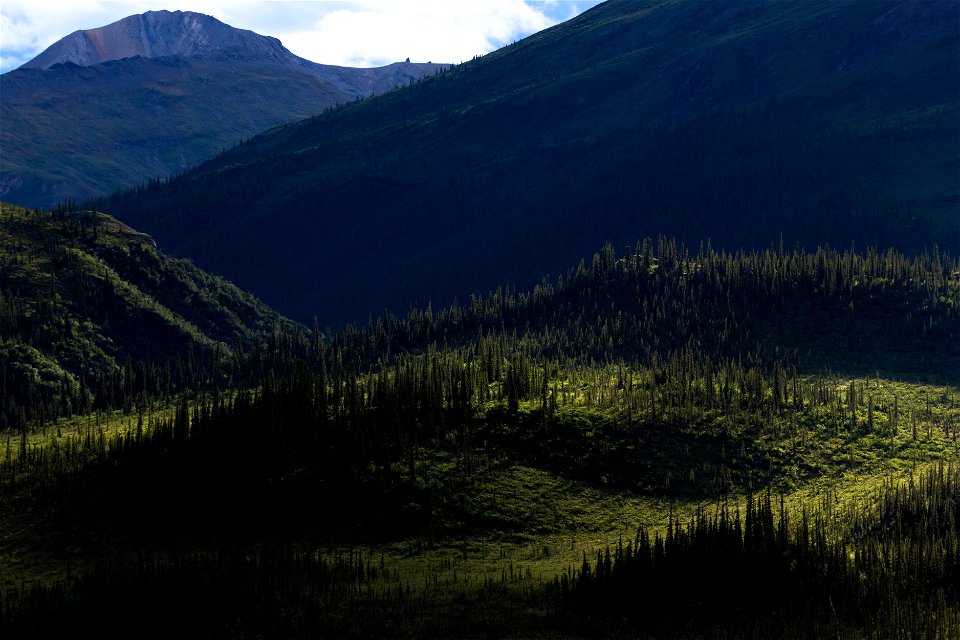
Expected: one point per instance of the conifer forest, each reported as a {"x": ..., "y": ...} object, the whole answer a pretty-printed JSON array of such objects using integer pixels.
[
  {"x": 512, "y": 350},
  {"x": 624, "y": 450}
]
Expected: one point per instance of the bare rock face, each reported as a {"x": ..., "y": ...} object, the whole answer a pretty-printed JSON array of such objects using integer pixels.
[
  {"x": 186, "y": 34},
  {"x": 157, "y": 34}
]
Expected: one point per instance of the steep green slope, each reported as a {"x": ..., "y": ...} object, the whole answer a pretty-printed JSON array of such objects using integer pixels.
[
  {"x": 817, "y": 122},
  {"x": 91, "y": 311}
]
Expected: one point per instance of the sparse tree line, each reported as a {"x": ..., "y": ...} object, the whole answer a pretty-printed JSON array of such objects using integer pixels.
[
  {"x": 591, "y": 375},
  {"x": 747, "y": 309}
]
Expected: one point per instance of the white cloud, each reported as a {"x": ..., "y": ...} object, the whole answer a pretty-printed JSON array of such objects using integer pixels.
[
  {"x": 351, "y": 33},
  {"x": 373, "y": 34}
]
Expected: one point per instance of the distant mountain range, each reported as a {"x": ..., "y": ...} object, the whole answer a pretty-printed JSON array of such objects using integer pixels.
[
  {"x": 748, "y": 124},
  {"x": 157, "y": 34},
  {"x": 155, "y": 94}
]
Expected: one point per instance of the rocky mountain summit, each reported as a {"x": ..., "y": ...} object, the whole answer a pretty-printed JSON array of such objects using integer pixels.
[{"x": 156, "y": 34}]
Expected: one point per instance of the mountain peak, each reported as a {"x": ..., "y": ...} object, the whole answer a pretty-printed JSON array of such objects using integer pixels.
[{"x": 156, "y": 34}]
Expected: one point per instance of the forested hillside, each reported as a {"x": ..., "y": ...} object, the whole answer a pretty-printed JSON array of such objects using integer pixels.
[
  {"x": 92, "y": 315},
  {"x": 404, "y": 477},
  {"x": 646, "y": 326},
  {"x": 814, "y": 122}
]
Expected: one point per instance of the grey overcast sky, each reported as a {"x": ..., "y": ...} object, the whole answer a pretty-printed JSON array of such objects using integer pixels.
[{"x": 358, "y": 33}]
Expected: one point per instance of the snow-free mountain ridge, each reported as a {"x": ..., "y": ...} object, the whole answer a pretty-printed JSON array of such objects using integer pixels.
[
  {"x": 156, "y": 94},
  {"x": 157, "y": 34}
]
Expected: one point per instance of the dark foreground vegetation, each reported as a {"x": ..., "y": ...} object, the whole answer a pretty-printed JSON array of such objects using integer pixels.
[
  {"x": 888, "y": 568},
  {"x": 721, "y": 384},
  {"x": 820, "y": 572}
]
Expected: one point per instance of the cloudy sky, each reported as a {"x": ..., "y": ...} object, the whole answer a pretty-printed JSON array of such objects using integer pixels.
[{"x": 359, "y": 33}]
